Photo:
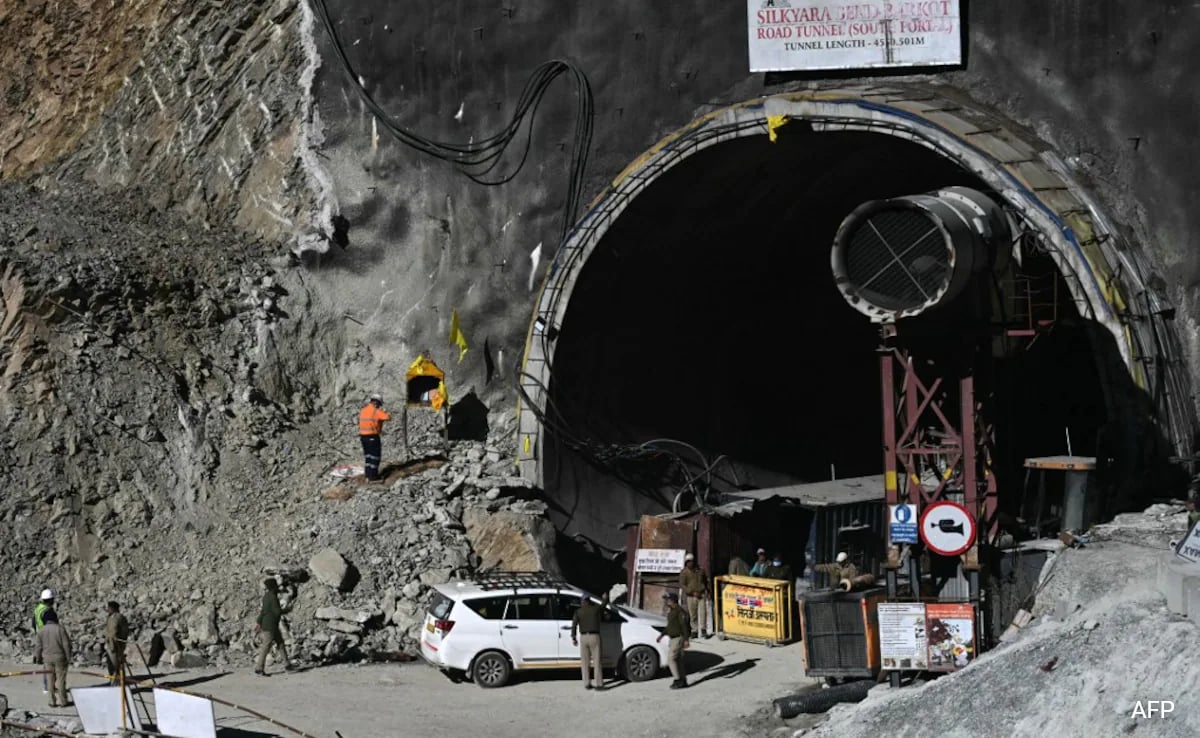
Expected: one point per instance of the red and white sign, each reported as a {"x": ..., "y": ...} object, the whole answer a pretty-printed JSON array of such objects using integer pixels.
[
  {"x": 853, "y": 34},
  {"x": 947, "y": 528}
]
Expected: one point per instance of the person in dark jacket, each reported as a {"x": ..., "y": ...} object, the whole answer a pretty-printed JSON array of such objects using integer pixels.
[
  {"x": 54, "y": 650},
  {"x": 587, "y": 622},
  {"x": 116, "y": 635},
  {"x": 679, "y": 627},
  {"x": 268, "y": 629}
]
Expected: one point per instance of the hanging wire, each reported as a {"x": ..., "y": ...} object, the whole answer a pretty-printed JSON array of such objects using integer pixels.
[{"x": 478, "y": 159}]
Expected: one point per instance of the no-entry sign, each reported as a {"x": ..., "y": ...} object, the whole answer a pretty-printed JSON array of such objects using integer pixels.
[{"x": 947, "y": 528}]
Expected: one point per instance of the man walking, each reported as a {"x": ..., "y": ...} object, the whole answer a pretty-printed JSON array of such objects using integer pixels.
[
  {"x": 678, "y": 628},
  {"x": 370, "y": 425},
  {"x": 267, "y": 628},
  {"x": 694, "y": 584},
  {"x": 45, "y": 602},
  {"x": 587, "y": 622},
  {"x": 116, "y": 635},
  {"x": 54, "y": 650}
]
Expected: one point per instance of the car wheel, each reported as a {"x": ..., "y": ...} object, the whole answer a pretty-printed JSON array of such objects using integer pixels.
[
  {"x": 491, "y": 669},
  {"x": 641, "y": 663}
]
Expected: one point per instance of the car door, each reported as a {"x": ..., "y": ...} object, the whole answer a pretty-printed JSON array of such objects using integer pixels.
[
  {"x": 564, "y": 612},
  {"x": 529, "y": 631},
  {"x": 610, "y": 631}
]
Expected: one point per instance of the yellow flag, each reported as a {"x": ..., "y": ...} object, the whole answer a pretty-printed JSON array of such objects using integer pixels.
[
  {"x": 774, "y": 123},
  {"x": 456, "y": 335}
]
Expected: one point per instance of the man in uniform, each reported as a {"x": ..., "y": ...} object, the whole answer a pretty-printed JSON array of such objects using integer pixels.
[
  {"x": 267, "y": 627},
  {"x": 841, "y": 569},
  {"x": 587, "y": 622},
  {"x": 778, "y": 570},
  {"x": 678, "y": 628},
  {"x": 116, "y": 635},
  {"x": 45, "y": 602},
  {"x": 370, "y": 425},
  {"x": 54, "y": 650},
  {"x": 694, "y": 584}
]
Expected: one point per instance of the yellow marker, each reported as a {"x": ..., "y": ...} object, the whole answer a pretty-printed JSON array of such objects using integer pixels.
[
  {"x": 774, "y": 123},
  {"x": 889, "y": 481},
  {"x": 528, "y": 445}
]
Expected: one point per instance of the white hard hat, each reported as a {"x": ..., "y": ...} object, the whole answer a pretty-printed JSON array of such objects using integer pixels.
[
  {"x": 689, "y": 557},
  {"x": 841, "y": 557},
  {"x": 376, "y": 396},
  {"x": 47, "y": 594}
]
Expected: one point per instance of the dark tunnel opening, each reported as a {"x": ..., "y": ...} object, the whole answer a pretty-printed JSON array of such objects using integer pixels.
[{"x": 708, "y": 314}]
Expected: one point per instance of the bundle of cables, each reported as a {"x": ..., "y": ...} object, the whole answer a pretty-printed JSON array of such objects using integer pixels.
[{"x": 479, "y": 159}]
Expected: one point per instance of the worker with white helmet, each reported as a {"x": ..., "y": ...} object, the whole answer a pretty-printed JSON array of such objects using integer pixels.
[
  {"x": 45, "y": 602},
  {"x": 370, "y": 425},
  {"x": 839, "y": 571}
]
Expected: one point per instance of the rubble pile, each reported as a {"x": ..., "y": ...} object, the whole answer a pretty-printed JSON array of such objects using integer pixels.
[{"x": 172, "y": 401}]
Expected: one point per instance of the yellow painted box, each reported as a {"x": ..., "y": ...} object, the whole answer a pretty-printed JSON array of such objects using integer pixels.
[{"x": 754, "y": 609}]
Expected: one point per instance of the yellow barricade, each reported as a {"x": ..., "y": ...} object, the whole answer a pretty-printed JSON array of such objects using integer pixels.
[{"x": 754, "y": 609}]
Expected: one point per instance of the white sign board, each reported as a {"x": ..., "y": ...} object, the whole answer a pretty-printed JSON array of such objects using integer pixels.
[
  {"x": 184, "y": 715},
  {"x": 902, "y": 637},
  {"x": 99, "y": 709},
  {"x": 659, "y": 560},
  {"x": 853, "y": 34},
  {"x": 947, "y": 528},
  {"x": 1189, "y": 548}
]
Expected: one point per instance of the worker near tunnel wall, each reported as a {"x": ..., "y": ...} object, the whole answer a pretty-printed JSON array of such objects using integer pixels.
[
  {"x": 116, "y": 635},
  {"x": 370, "y": 426},
  {"x": 694, "y": 583}
]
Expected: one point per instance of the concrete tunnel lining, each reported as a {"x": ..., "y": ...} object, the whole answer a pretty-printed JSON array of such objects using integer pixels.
[{"x": 1099, "y": 273}]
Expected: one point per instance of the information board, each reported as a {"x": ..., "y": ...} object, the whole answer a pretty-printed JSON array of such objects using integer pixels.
[
  {"x": 1189, "y": 548},
  {"x": 788, "y": 35},
  {"x": 659, "y": 560},
  {"x": 752, "y": 612},
  {"x": 950, "y": 631},
  {"x": 902, "y": 643}
]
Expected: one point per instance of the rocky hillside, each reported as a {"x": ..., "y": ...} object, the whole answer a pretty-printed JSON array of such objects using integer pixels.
[{"x": 172, "y": 399}]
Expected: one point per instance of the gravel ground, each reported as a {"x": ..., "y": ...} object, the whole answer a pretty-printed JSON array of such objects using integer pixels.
[{"x": 732, "y": 686}]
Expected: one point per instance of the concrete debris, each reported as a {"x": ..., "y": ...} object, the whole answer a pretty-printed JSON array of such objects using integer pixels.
[
  {"x": 202, "y": 626},
  {"x": 187, "y": 660}
]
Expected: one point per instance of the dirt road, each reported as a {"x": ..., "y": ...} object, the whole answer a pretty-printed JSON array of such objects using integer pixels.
[{"x": 730, "y": 681}]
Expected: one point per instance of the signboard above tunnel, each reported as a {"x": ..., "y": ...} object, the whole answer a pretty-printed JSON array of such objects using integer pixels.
[{"x": 795, "y": 35}]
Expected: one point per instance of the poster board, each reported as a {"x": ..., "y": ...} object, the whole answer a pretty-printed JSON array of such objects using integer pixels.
[
  {"x": 902, "y": 642},
  {"x": 1189, "y": 548},
  {"x": 754, "y": 609},
  {"x": 99, "y": 709},
  {"x": 790, "y": 35},
  {"x": 950, "y": 632},
  {"x": 659, "y": 560},
  {"x": 184, "y": 715}
]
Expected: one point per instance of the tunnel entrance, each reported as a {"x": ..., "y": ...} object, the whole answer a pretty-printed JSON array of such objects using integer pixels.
[{"x": 691, "y": 339}]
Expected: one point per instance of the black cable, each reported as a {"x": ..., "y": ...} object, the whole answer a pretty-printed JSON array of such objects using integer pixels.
[{"x": 477, "y": 159}]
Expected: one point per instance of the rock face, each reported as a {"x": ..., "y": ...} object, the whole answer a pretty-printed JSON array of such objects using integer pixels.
[
  {"x": 511, "y": 541},
  {"x": 329, "y": 568}
]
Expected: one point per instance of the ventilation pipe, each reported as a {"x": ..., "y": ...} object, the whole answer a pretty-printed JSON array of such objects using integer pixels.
[{"x": 900, "y": 257}]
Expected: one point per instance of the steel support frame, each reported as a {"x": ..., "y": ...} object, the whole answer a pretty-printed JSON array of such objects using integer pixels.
[{"x": 964, "y": 446}]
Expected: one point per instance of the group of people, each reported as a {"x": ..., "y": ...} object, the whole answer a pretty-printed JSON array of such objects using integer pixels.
[
  {"x": 52, "y": 645},
  {"x": 585, "y": 634},
  {"x": 52, "y": 642}
]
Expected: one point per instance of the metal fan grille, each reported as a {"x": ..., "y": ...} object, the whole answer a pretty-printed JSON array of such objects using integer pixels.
[{"x": 898, "y": 259}]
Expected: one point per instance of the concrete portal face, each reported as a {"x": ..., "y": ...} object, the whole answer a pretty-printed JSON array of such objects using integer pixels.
[{"x": 1105, "y": 277}]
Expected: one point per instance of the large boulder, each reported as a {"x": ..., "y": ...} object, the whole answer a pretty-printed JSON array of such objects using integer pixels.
[
  {"x": 330, "y": 568},
  {"x": 202, "y": 626},
  {"x": 511, "y": 541}
]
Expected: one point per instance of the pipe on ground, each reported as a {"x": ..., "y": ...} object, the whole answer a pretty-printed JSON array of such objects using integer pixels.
[{"x": 822, "y": 699}]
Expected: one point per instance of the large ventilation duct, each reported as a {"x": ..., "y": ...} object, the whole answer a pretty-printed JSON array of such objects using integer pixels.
[{"x": 898, "y": 258}]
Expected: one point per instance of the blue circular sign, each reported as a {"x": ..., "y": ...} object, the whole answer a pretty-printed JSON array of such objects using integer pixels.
[{"x": 903, "y": 513}]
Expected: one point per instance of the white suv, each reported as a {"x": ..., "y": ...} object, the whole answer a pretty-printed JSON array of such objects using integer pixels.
[{"x": 490, "y": 627}]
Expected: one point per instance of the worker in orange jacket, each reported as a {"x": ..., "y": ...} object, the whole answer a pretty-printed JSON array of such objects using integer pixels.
[{"x": 370, "y": 425}]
